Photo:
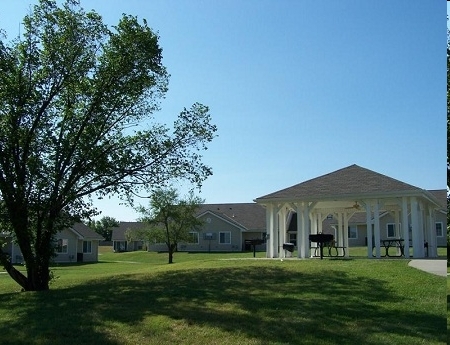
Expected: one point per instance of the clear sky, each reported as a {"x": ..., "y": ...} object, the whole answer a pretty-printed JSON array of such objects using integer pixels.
[{"x": 298, "y": 88}]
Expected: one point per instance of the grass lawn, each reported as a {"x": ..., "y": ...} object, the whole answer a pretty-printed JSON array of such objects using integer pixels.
[{"x": 230, "y": 298}]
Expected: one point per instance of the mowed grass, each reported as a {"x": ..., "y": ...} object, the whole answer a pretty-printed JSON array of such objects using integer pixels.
[{"x": 230, "y": 298}]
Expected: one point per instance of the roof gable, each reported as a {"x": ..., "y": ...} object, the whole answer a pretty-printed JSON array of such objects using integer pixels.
[
  {"x": 223, "y": 218},
  {"x": 441, "y": 197},
  {"x": 347, "y": 181},
  {"x": 85, "y": 232},
  {"x": 118, "y": 233},
  {"x": 250, "y": 216}
]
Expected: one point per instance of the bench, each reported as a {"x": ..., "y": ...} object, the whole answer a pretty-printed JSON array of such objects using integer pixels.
[{"x": 333, "y": 251}]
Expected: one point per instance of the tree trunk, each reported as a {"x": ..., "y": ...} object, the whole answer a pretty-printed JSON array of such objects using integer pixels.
[
  {"x": 16, "y": 275},
  {"x": 37, "y": 278},
  {"x": 172, "y": 248},
  {"x": 37, "y": 264}
]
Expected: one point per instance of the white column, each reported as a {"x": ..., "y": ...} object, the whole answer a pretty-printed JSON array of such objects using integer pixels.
[
  {"x": 275, "y": 231},
  {"x": 376, "y": 219},
  {"x": 320, "y": 221},
  {"x": 422, "y": 226},
  {"x": 397, "y": 228},
  {"x": 369, "y": 230},
  {"x": 306, "y": 231},
  {"x": 432, "y": 241},
  {"x": 282, "y": 231},
  {"x": 314, "y": 227},
  {"x": 339, "y": 239},
  {"x": 299, "y": 231},
  {"x": 346, "y": 216},
  {"x": 405, "y": 226},
  {"x": 416, "y": 242},
  {"x": 269, "y": 231}
]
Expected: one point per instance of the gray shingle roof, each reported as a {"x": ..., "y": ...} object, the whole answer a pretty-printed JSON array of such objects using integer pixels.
[
  {"x": 86, "y": 232},
  {"x": 441, "y": 196},
  {"x": 347, "y": 181},
  {"x": 118, "y": 233},
  {"x": 251, "y": 216}
]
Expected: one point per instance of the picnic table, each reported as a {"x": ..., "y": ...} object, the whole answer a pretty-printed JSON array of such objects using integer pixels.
[
  {"x": 333, "y": 250},
  {"x": 397, "y": 243}
]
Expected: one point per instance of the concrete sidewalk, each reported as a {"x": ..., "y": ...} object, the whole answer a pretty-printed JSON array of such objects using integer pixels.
[{"x": 434, "y": 266}]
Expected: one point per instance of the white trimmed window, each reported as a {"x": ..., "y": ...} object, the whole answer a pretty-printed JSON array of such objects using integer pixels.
[
  {"x": 87, "y": 247},
  {"x": 225, "y": 237},
  {"x": 193, "y": 237},
  {"x": 62, "y": 246},
  {"x": 439, "y": 229},
  {"x": 353, "y": 232},
  {"x": 390, "y": 230}
]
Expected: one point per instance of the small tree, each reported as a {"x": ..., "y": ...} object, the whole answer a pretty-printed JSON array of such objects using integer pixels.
[
  {"x": 104, "y": 226},
  {"x": 170, "y": 218}
]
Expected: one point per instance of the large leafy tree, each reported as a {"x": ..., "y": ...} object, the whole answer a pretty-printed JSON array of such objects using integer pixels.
[
  {"x": 76, "y": 105},
  {"x": 170, "y": 219}
]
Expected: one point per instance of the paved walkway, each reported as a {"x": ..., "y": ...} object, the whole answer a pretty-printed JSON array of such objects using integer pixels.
[{"x": 434, "y": 266}]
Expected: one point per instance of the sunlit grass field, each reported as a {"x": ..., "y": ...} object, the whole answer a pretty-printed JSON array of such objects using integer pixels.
[{"x": 228, "y": 298}]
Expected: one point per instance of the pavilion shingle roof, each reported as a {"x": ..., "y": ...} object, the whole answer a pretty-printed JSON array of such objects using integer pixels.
[{"x": 347, "y": 181}]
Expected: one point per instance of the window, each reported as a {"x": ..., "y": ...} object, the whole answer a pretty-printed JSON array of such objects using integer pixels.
[
  {"x": 225, "y": 237},
  {"x": 390, "y": 230},
  {"x": 120, "y": 246},
  {"x": 352, "y": 232},
  {"x": 62, "y": 246},
  {"x": 439, "y": 232},
  {"x": 193, "y": 237},
  {"x": 87, "y": 247}
]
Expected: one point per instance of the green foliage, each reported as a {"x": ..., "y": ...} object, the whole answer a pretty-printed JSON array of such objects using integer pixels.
[
  {"x": 170, "y": 218},
  {"x": 104, "y": 226},
  {"x": 76, "y": 105}
]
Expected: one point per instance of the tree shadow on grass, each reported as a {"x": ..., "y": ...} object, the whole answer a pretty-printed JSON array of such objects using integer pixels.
[{"x": 266, "y": 304}]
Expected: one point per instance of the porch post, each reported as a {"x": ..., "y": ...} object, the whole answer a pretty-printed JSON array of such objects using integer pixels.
[
  {"x": 376, "y": 217},
  {"x": 320, "y": 221},
  {"x": 369, "y": 230},
  {"x": 346, "y": 234},
  {"x": 282, "y": 231},
  {"x": 269, "y": 231},
  {"x": 397, "y": 228},
  {"x": 340, "y": 234},
  {"x": 432, "y": 243},
  {"x": 306, "y": 230},
  {"x": 417, "y": 244},
  {"x": 405, "y": 226},
  {"x": 276, "y": 231},
  {"x": 299, "y": 231},
  {"x": 422, "y": 227},
  {"x": 314, "y": 227}
]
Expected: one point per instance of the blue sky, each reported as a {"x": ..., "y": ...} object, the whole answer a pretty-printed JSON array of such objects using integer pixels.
[{"x": 298, "y": 88}]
